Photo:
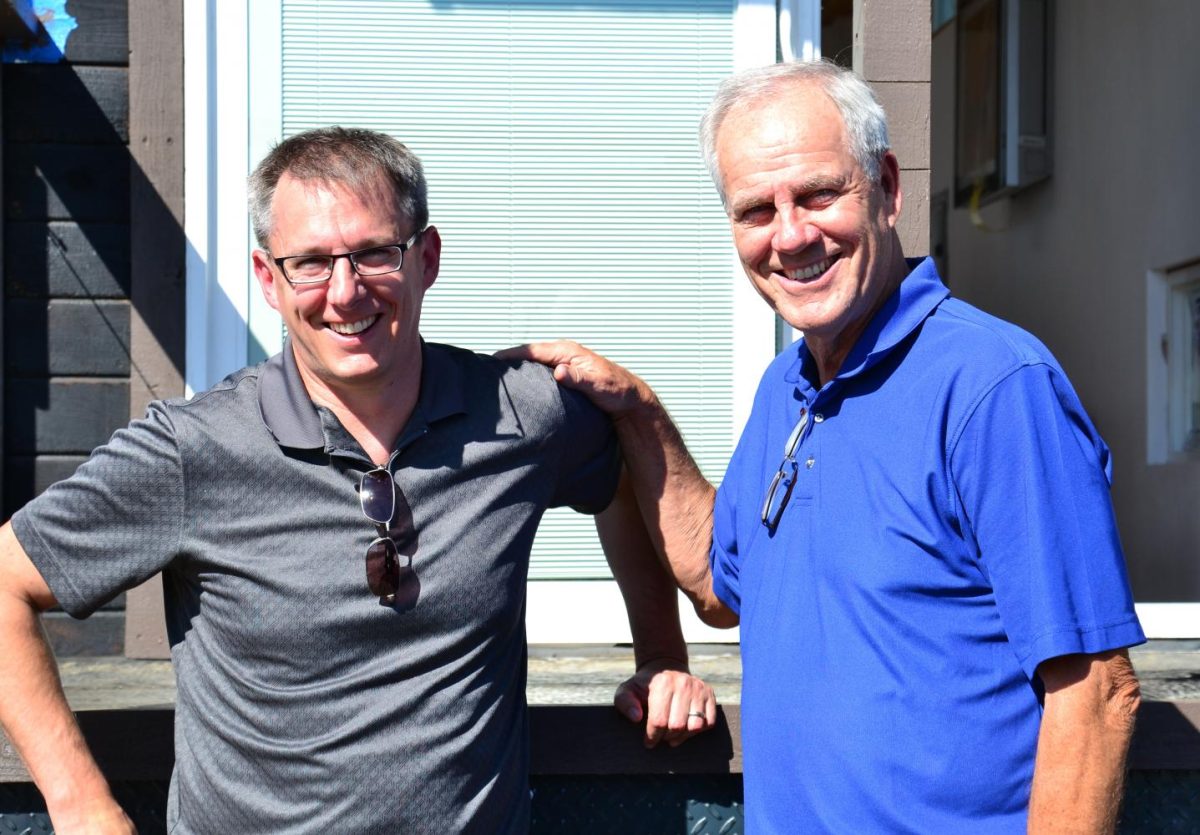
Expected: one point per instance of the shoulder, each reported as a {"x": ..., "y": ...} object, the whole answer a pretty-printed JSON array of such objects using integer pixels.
[
  {"x": 962, "y": 334},
  {"x": 961, "y": 355},
  {"x": 221, "y": 411},
  {"x": 524, "y": 391},
  {"x": 480, "y": 372}
]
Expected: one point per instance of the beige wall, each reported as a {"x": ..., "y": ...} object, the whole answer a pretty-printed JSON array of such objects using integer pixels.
[{"x": 1068, "y": 258}]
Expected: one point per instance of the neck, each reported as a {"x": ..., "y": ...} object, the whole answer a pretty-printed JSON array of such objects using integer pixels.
[
  {"x": 829, "y": 353},
  {"x": 374, "y": 415}
]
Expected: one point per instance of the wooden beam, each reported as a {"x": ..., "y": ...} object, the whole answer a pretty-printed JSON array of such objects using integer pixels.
[
  {"x": 580, "y": 740},
  {"x": 157, "y": 250}
]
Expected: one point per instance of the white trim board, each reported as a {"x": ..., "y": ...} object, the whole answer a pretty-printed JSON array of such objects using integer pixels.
[
  {"x": 555, "y": 607},
  {"x": 1169, "y": 621},
  {"x": 592, "y": 612}
]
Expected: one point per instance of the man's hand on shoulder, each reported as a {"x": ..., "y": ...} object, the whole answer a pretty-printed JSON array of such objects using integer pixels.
[
  {"x": 674, "y": 703},
  {"x": 613, "y": 388}
]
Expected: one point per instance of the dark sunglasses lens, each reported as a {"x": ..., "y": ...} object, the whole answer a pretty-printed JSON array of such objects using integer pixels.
[
  {"x": 377, "y": 493},
  {"x": 383, "y": 568}
]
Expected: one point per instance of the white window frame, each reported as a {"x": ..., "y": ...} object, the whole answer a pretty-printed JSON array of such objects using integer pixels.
[
  {"x": 232, "y": 44},
  {"x": 1167, "y": 341},
  {"x": 1181, "y": 349}
]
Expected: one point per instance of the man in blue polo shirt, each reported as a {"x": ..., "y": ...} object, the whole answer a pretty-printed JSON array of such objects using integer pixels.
[{"x": 914, "y": 533}]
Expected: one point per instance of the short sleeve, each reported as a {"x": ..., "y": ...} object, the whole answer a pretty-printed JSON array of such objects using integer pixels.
[
  {"x": 1032, "y": 475},
  {"x": 590, "y": 462},
  {"x": 726, "y": 566},
  {"x": 114, "y": 523}
]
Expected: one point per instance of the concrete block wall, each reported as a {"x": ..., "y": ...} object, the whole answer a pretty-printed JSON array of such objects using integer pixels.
[{"x": 891, "y": 50}]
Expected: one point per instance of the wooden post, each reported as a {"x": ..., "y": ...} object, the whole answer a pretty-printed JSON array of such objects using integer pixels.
[{"x": 158, "y": 252}]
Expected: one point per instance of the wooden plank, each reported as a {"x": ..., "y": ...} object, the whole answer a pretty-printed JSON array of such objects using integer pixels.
[
  {"x": 67, "y": 337},
  {"x": 27, "y": 476},
  {"x": 595, "y": 739},
  {"x": 65, "y": 415},
  {"x": 65, "y": 103},
  {"x": 102, "y": 33},
  {"x": 67, "y": 260},
  {"x": 577, "y": 740},
  {"x": 53, "y": 181},
  {"x": 127, "y": 744},
  {"x": 98, "y": 37},
  {"x": 158, "y": 250},
  {"x": 158, "y": 246}
]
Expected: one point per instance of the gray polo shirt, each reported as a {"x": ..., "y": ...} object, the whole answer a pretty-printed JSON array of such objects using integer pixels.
[{"x": 303, "y": 704}]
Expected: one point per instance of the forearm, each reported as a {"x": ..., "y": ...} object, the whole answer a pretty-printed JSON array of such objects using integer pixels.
[
  {"x": 675, "y": 500},
  {"x": 1086, "y": 729},
  {"x": 649, "y": 592},
  {"x": 33, "y": 709}
]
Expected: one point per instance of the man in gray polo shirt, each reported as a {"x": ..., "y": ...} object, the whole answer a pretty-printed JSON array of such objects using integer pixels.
[{"x": 344, "y": 535}]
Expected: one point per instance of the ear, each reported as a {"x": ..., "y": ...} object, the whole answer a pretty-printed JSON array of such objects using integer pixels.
[
  {"x": 431, "y": 255},
  {"x": 266, "y": 276},
  {"x": 889, "y": 182}
]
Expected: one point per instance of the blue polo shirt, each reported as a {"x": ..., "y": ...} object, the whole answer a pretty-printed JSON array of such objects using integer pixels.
[{"x": 949, "y": 529}]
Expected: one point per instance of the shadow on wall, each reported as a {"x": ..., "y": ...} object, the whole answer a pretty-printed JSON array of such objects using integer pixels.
[{"x": 69, "y": 184}]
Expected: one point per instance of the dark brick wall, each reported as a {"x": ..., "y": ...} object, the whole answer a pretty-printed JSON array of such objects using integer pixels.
[{"x": 66, "y": 267}]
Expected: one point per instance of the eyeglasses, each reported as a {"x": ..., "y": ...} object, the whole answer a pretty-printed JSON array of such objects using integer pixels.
[
  {"x": 785, "y": 479},
  {"x": 374, "y": 260},
  {"x": 380, "y": 500}
]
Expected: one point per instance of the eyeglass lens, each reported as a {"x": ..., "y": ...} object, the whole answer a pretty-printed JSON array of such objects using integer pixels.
[
  {"x": 389, "y": 557},
  {"x": 383, "y": 568},
  {"x": 784, "y": 480},
  {"x": 375, "y": 261},
  {"x": 377, "y": 493}
]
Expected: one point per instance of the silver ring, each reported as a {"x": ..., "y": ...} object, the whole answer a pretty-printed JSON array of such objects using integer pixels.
[{"x": 695, "y": 713}]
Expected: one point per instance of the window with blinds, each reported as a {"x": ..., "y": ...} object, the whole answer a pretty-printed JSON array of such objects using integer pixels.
[{"x": 559, "y": 141}]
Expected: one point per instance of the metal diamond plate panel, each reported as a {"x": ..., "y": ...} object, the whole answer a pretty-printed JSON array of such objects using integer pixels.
[
  {"x": 1156, "y": 803},
  {"x": 1161, "y": 803},
  {"x": 637, "y": 805},
  {"x": 23, "y": 812}
]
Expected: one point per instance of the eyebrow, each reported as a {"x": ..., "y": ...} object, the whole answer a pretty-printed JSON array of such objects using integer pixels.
[{"x": 817, "y": 182}]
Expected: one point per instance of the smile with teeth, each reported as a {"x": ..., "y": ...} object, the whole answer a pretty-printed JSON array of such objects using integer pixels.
[
  {"x": 351, "y": 328},
  {"x": 811, "y": 271}
]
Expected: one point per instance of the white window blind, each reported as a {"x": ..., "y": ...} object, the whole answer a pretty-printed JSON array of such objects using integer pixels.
[{"x": 559, "y": 141}]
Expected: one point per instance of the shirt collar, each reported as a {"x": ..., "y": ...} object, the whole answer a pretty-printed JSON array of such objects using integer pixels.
[
  {"x": 917, "y": 297},
  {"x": 295, "y": 421}
]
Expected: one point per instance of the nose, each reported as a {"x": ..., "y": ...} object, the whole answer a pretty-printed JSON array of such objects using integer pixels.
[
  {"x": 344, "y": 284},
  {"x": 795, "y": 230}
]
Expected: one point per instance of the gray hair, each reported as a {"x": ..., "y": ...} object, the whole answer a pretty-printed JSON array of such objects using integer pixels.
[
  {"x": 862, "y": 115},
  {"x": 353, "y": 157}
]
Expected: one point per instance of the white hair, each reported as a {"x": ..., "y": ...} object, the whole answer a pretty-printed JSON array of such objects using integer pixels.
[{"x": 862, "y": 114}]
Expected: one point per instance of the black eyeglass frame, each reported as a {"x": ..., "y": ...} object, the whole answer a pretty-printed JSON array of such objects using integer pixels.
[
  {"x": 772, "y": 513},
  {"x": 351, "y": 256}
]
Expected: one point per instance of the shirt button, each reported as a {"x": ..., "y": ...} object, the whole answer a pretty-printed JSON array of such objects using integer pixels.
[
  {"x": 818, "y": 418},
  {"x": 809, "y": 463}
]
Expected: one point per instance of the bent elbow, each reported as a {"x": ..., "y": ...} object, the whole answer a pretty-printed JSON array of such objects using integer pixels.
[
  {"x": 716, "y": 614},
  {"x": 1124, "y": 698}
]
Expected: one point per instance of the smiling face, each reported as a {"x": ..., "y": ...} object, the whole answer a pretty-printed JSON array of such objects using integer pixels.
[
  {"x": 815, "y": 236},
  {"x": 351, "y": 333}
]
